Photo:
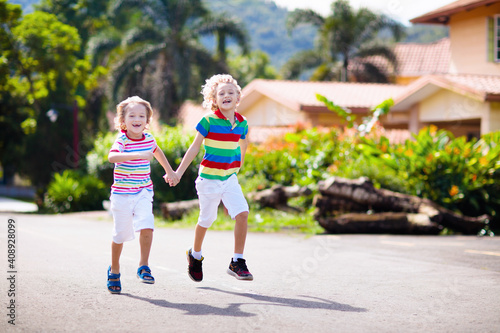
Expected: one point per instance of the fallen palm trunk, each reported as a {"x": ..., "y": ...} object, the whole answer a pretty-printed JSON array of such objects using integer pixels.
[
  {"x": 364, "y": 196},
  {"x": 277, "y": 196},
  {"x": 175, "y": 210}
]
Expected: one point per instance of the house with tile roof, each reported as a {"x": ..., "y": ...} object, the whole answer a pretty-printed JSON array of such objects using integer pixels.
[
  {"x": 453, "y": 83},
  {"x": 466, "y": 99}
]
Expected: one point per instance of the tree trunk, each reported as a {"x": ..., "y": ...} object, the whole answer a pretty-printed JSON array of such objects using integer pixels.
[
  {"x": 277, "y": 196},
  {"x": 381, "y": 223},
  {"x": 175, "y": 210},
  {"x": 362, "y": 192}
]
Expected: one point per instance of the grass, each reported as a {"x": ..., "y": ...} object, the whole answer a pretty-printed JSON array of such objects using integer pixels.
[{"x": 261, "y": 220}]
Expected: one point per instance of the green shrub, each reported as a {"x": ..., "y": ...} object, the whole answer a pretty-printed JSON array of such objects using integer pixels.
[
  {"x": 296, "y": 158},
  {"x": 71, "y": 192},
  {"x": 458, "y": 174}
]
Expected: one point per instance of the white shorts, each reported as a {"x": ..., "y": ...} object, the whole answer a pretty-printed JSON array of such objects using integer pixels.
[
  {"x": 131, "y": 212},
  {"x": 210, "y": 194}
]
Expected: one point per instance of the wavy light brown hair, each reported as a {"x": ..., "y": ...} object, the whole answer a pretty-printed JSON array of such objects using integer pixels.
[
  {"x": 210, "y": 88},
  {"x": 121, "y": 111}
]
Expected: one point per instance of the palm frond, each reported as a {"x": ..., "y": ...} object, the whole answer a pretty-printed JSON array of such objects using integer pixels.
[
  {"x": 368, "y": 72},
  {"x": 100, "y": 45},
  {"x": 303, "y": 16},
  {"x": 155, "y": 10},
  {"x": 301, "y": 62},
  {"x": 140, "y": 34},
  {"x": 223, "y": 26},
  {"x": 379, "y": 50},
  {"x": 122, "y": 69}
]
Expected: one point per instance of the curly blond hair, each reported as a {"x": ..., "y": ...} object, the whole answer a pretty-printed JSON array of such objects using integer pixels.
[
  {"x": 210, "y": 88},
  {"x": 122, "y": 107}
]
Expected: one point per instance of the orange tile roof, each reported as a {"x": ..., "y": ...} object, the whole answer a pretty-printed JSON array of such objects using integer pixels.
[
  {"x": 442, "y": 14},
  {"x": 481, "y": 84},
  {"x": 483, "y": 87},
  {"x": 301, "y": 95},
  {"x": 415, "y": 59}
]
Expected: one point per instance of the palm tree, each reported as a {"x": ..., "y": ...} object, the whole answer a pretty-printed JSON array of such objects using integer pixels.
[
  {"x": 161, "y": 57},
  {"x": 346, "y": 35}
]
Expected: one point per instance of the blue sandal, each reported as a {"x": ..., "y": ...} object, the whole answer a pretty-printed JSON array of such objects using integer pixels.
[
  {"x": 145, "y": 277},
  {"x": 114, "y": 283}
]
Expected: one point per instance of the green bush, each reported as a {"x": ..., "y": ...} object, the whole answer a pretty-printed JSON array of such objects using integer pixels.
[
  {"x": 71, "y": 192},
  {"x": 458, "y": 174},
  {"x": 296, "y": 158}
]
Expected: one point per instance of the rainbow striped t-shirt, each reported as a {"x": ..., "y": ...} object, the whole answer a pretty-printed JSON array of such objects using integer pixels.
[
  {"x": 131, "y": 177},
  {"x": 222, "y": 156}
]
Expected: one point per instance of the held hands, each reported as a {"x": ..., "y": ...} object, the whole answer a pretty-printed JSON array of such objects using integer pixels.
[{"x": 172, "y": 178}]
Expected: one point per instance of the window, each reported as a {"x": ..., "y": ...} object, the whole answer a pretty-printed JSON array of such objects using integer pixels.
[
  {"x": 497, "y": 38},
  {"x": 494, "y": 39}
]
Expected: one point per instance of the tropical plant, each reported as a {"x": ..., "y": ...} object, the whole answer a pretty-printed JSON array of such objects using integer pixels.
[
  {"x": 347, "y": 36},
  {"x": 71, "y": 192},
  {"x": 12, "y": 106},
  {"x": 346, "y": 114},
  {"x": 44, "y": 73},
  {"x": 453, "y": 172},
  {"x": 160, "y": 50}
]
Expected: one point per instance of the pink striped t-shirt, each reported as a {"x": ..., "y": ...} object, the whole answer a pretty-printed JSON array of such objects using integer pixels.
[{"x": 131, "y": 177}]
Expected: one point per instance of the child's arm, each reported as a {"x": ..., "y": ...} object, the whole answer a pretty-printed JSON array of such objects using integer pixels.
[
  {"x": 190, "y": 154},
  {"x": 116, "y": 157},
  {"x": 243, "y": 147},
  {"x": 170, "y": 177}
]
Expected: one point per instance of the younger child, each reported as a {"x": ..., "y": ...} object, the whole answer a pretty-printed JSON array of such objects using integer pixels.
[
  {"x": 224, "y": 133},
  {"x": 132, "y": 190}
]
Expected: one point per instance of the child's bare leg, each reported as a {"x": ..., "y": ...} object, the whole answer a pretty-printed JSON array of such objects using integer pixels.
[
  {"x": 116, "y": 252},
  {"x": 199, "y": 236},
  {"x": 145, "y": 241},
  {"x": 240, "y": 232}
]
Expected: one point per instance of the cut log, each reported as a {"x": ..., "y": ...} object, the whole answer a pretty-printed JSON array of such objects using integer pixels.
[
  {"x": 175, "y": 210},
  {"x": 381, "y": 223},
  {"x": 336, "y": 206},
  {"x": 277, "y": 196},
  {"x": 362, "y": 192}
]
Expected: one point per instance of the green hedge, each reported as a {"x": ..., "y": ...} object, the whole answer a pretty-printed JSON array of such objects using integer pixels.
[
  {"x": 461, "y": 175},
  {"x": 70, "y": 191},
  {"x": 458, "y": 174}
]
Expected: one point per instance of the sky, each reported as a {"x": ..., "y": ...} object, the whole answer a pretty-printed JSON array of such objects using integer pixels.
[{"x": 400, "y": 10}]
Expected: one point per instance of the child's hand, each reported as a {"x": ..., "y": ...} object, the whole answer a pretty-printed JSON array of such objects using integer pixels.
[
  {"x": 171, "y": 178},
  {"x": 147, "y": 155}
]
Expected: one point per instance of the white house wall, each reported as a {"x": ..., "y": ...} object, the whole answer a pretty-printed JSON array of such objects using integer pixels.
[
  {"x": 266, "y": 112},
  {"x": 449, "y": 106}
]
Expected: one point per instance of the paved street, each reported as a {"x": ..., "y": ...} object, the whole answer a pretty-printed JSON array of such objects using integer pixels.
[{"x": 346, "y": 283}]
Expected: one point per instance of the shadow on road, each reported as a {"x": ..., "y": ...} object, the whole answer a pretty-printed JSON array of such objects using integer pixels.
[
  {"x": 294, "y": 302},
  {"x": 233, "y": 309}
]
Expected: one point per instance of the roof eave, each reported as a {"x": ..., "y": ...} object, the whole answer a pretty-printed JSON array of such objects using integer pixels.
[
  {"x": 443, "y": 16},
  {"x": 324, "y": 109},
  {"x": 492, "y": 97}
]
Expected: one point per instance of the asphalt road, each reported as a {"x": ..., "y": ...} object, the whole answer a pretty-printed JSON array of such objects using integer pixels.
[{"x": 346, "y": 283}]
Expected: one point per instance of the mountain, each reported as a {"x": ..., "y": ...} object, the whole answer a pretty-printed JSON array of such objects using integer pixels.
[{"x": 266, "y": 26}]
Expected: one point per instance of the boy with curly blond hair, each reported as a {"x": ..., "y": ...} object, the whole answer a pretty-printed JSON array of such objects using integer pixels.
[{"x": 224, "y": 134}]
